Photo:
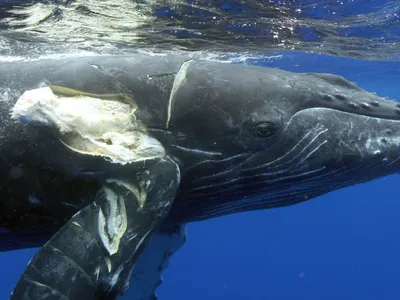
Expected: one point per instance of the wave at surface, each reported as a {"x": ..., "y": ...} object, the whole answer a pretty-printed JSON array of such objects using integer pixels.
[{"x": 354, "y": 28}]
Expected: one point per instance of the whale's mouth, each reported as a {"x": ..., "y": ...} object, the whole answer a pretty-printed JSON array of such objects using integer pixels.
[{"x": 89, "y": 125}]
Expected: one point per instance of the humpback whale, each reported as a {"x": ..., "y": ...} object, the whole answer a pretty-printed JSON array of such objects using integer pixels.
[{"x": 105, "y": 159}]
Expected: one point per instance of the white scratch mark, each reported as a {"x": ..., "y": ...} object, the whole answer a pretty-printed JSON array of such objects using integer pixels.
[
  {"x": 142, "y": 239},
  {"x": 108, "y": 263},
  {"x": 97, "y": 273},
  {"x": 132, "y": 237},
  {"x": 198, "y": 151},
  {"x": 115, "y": 277},
  {"x": 180, "y": 78},
  {"x": 77, "y": 224}
]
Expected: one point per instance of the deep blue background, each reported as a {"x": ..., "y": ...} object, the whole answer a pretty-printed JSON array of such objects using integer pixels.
[{"x": 344, "y": 245}]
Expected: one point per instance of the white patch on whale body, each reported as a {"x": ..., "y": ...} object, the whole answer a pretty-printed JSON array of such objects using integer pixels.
[
  {"x": 140, "y": 193},
  {"x": 180, "y": 78},
  {"x": 115, "y": 277},
  {"x": 89, "y": 125},
  {"x": 113, "y": 225}
]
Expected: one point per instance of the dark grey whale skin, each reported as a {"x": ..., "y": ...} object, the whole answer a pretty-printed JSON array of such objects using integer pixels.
[{"x": 244, "y": 138}]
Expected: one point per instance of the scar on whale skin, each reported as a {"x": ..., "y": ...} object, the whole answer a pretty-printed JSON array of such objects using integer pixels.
[
  {"x": 91, "y": 126},
  {"x": 112, "y": 222},
  {"x": 180, "y": 78}
]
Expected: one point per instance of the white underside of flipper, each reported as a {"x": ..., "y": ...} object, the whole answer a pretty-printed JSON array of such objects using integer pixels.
[{"x": 89, "y": 125}]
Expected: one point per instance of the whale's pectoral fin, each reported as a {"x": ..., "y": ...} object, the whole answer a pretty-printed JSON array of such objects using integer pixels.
[
  {"x": 92, "y": 256},
  {"x": 147, "y": 272}
]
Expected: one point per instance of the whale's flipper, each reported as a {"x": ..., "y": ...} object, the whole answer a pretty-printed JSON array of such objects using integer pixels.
[
  {"x": 92, "y": 256},
  {"x": 147, "y": 272}
]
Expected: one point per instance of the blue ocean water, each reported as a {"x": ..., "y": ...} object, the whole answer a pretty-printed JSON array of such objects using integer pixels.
[{"x": 343, "y": 245}]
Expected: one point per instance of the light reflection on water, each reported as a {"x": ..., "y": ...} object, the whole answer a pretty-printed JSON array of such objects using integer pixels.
[{"x": 352, "y": 28}]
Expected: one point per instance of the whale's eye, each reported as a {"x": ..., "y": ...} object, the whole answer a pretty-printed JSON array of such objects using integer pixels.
[{"x": 265, "y": 129}]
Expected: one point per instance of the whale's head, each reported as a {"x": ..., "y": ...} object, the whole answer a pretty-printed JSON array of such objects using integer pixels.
[{"x": 289, "y": 137}]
